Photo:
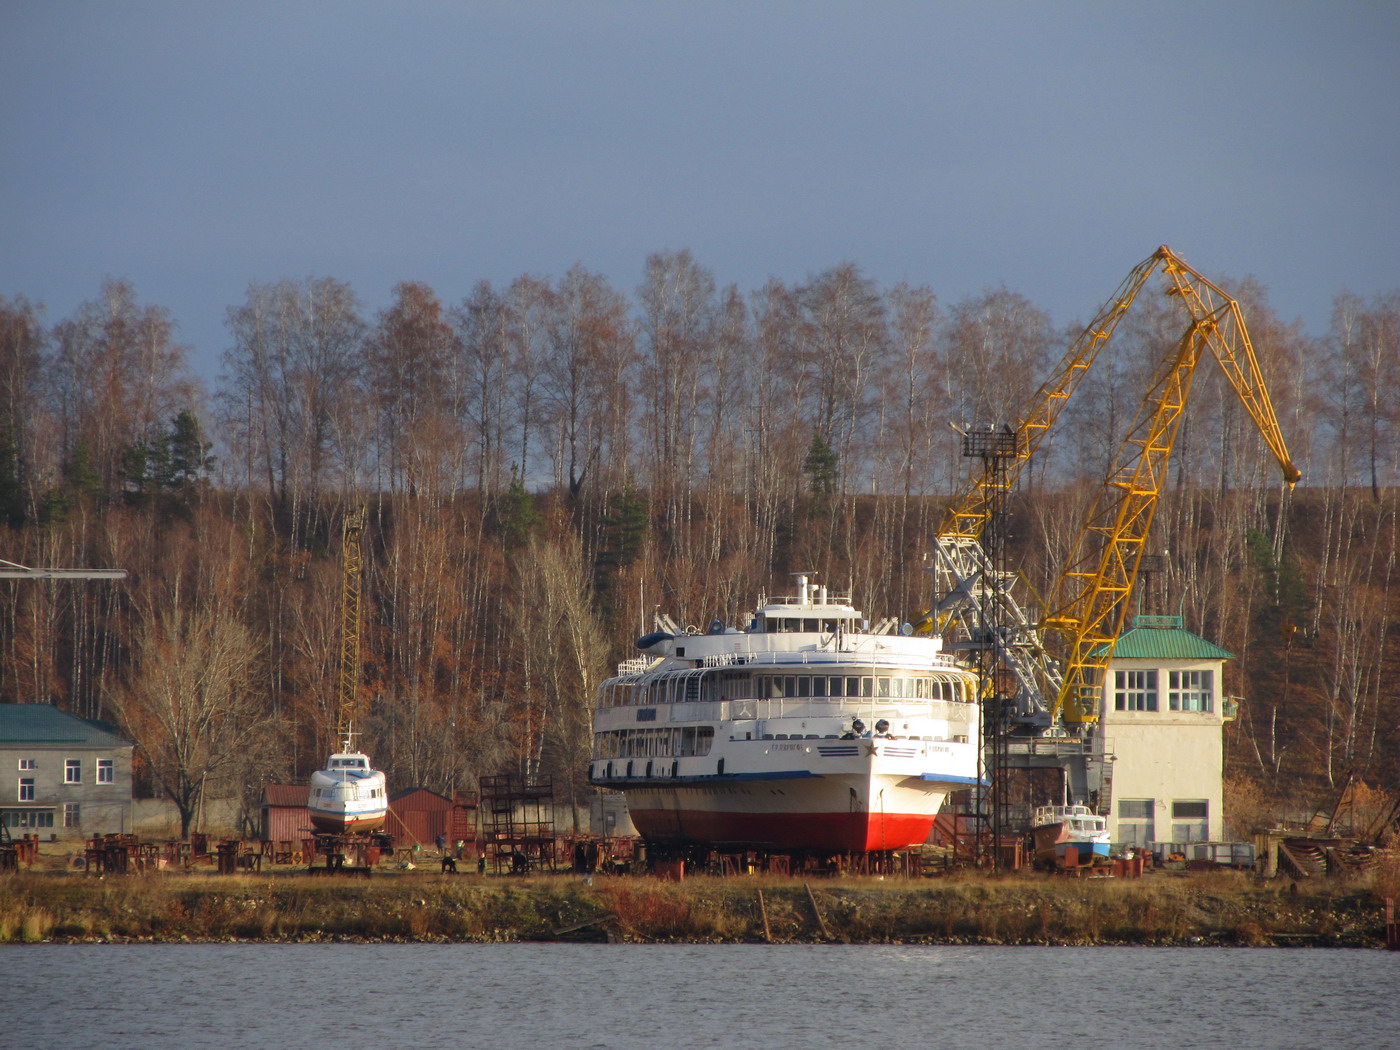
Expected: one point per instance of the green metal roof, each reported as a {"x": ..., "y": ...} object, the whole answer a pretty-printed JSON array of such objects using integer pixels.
[
  {"x": 1163, "y": 638},
  {"x": 44, "y": 724}
]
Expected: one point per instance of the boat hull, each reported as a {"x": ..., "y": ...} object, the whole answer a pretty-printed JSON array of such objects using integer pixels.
[
  {"x": 1054, "y": 843},
  {"x": 820, "y": 814},
  {"x": 818, "y": 832},
  {"x": 348, "y": 796},
  {"x": 339, "y": 823}
]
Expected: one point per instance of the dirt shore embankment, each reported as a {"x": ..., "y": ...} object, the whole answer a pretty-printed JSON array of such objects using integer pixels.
[{"x": 1162, "y": 909}]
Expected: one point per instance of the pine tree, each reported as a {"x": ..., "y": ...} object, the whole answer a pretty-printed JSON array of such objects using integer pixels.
[{"x": 820, "y": 466}]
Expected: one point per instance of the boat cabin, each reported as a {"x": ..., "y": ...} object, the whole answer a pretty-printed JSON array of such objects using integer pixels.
[
  {"x": 348, "y": 762},
  {"x": 1078, "y": 820}
]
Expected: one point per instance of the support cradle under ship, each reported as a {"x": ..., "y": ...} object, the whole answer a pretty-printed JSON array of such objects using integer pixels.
[{"x": 806, "y": 731}]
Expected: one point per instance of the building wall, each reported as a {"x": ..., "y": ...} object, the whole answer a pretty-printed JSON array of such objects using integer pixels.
[
  {"x": 1166, "y": 763},
  {"x": 64, "y": 807},
  {"x": 286, "y": 824},
  {"x": 418, "y": 818}
]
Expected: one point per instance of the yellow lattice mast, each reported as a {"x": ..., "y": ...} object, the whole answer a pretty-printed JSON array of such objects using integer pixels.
[{"x": 352, "y": 567}]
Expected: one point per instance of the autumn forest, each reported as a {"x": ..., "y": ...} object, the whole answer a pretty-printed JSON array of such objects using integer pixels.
[{"x": 545, "y": 464}]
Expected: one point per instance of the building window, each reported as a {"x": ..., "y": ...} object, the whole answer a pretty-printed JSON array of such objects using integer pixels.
[
  {"x": 27, "y": 818},
  {"x": 1135, "y": 690},
  {"x": 1190, "y": 820},
  {"x": 1135, "y": 822},
  {"x": 106, "y": 771},
  {"x": 28, "y": 763},
  {"x": 71, "y": 818},
  {"x": 73, "y": 771},
  {"x": 1191, "y": 690},
  {"x": 26, "y": 789}
]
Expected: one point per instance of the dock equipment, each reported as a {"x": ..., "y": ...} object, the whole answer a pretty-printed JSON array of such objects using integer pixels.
[
  {"x": 517, "y": 823},
  {"x": 351, "y": 854},
  {"x": 1043, "y": 673}
]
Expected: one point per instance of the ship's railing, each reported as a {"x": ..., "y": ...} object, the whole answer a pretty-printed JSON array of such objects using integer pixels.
[
  {"x": 1050, "y": 745},
  {"x": 831, "y": 600},
  {"x": 828, "y": 657},
  {"x": 637, "y": 665},
  {"x": 827, "y": 707}
]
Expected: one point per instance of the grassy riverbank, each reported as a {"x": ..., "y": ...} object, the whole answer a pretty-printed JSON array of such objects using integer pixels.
[{"x": 1162, "y": 909}]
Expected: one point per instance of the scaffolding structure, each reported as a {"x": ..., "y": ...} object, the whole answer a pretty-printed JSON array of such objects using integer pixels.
[
  {"x": 517, "y": 823},
  {"x": 997, "y": 447}
]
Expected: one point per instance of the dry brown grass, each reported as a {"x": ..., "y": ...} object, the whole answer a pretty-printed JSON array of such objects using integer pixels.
[{"x": 1164, "y": 908}]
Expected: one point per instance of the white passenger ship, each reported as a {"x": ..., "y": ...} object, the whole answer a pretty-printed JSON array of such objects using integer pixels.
[
  {"x": 348, "y": 795},
  {"x": 806, "y": 731}
]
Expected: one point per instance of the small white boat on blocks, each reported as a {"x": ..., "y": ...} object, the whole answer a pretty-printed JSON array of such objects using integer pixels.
[{"x": 348, "y": 795}]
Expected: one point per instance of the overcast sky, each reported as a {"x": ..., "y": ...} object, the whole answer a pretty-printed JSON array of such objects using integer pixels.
[{"x": 192, "y": 148}]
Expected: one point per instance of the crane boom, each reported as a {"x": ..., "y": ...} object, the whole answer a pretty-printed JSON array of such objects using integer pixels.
[
  {"x": 10, "y": 570},
  {"x": 967, "y": 517},
  {"x": 352, "y": 562},
  {"x": 1225, "y": 333},
  {"x": 1089, "y": 601}
]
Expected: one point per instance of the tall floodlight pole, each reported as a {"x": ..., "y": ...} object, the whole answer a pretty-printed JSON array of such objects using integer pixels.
[{"x": 996, "y": 446}]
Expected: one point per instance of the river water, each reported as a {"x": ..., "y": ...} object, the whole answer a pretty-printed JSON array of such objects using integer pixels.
[{"x": 672, "y": 997}]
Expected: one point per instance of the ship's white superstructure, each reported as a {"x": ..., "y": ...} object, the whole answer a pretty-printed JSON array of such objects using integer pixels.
[{"x": 807, "y": 730}]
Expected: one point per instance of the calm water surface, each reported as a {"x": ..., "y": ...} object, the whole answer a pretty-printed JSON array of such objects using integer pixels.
[{"x": 620, "y": 997}]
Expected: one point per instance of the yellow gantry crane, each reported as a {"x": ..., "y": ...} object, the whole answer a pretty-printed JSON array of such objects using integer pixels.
[{"x": 1089, "y": 601}]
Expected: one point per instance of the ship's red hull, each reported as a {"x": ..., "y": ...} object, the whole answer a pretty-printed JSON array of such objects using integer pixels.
[{"x": 818, "y": 832}]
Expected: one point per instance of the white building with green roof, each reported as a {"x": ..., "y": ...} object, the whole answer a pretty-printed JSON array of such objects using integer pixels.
[
  {"x": 1162, "y": 720},
  {"x": 61, "y": 775}
]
